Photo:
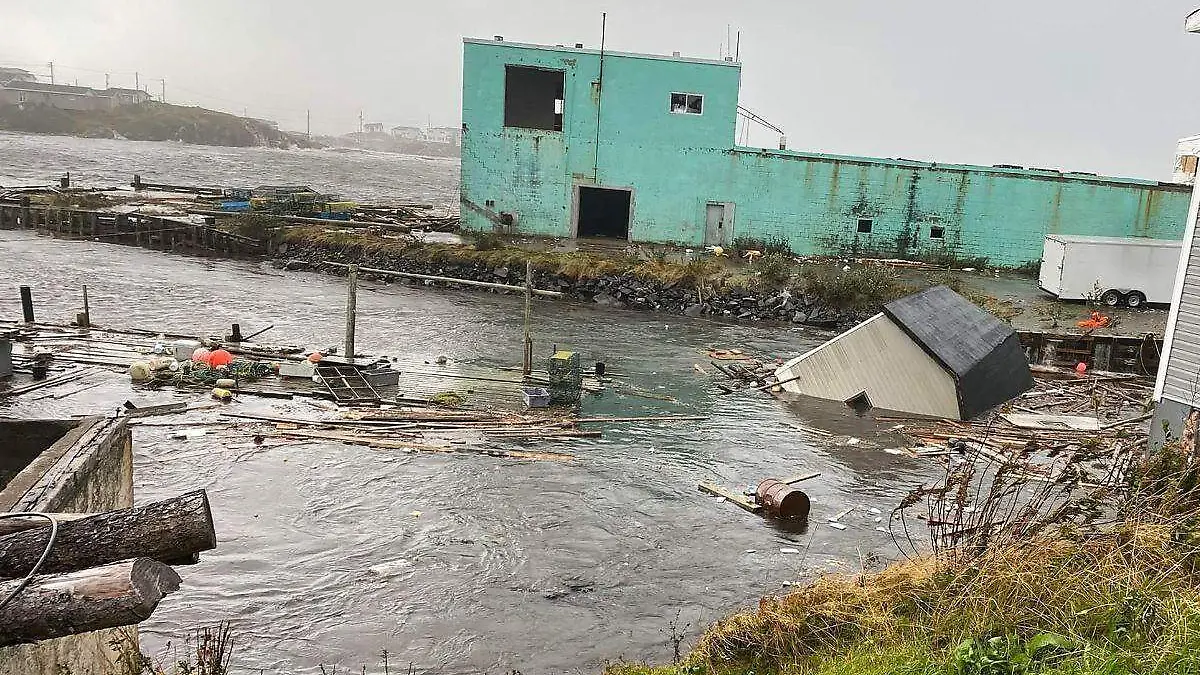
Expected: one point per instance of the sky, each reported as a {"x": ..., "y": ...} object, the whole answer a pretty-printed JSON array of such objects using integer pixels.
[{"x": 1088, "y": 85}]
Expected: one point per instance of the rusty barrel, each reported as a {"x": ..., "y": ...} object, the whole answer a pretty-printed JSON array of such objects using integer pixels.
[{"x": 782, "y": 500}]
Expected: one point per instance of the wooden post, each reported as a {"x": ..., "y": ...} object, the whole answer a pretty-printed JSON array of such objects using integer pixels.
[
  {"x": 58, "y": 605},
  {"x": 27, "y": 303},
  {"x": 87, "y": 314},
  {"x": 351, "y": 301},
  {"x": 527, "y": 344}
]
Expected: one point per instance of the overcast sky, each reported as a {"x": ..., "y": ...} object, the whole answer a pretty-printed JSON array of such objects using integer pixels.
[{"x": 1089, "y": 85}]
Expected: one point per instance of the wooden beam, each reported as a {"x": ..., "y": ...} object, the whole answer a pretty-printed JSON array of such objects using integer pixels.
[
  {"x": 740, "y": 500},
  {"x": 173, "y": 531},
  {"x": 58, "y": 605},
  {"x": 450, "y": 280}
]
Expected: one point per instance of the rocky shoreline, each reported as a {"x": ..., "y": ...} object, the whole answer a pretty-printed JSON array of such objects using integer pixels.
[{"x": 619, "y": 290}]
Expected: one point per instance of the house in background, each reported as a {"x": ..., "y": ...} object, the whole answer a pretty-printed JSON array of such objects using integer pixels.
[
  {"x": 446, "y": 135},
  {"x": 567, "y": 142},
  {"x": 118, "y": 96},
  {"x": 62, "y": 96},
  {"x": 408, "y": 133},
  {"x": 932, "y": 353},
  {"x": 373, "y": 128},
  {"x": 16, "y": 75}
]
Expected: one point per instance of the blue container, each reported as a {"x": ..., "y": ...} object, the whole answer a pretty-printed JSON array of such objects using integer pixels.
[{"x": 235, "y": 206}]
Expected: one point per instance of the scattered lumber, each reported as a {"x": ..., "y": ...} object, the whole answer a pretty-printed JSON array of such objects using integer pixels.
[
  {"x": 173, "y": 531},
  {"x": 56, "y": 605}
]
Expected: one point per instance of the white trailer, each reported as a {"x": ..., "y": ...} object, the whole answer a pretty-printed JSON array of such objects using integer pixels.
[{"x": 1114, "y": 270}]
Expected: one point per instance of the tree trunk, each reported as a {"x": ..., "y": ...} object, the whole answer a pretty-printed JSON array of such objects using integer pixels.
[
  {"x": 56, "y": 605},
  {"x": 170, "y": 531},
  {"x": 11, "y": 525}
]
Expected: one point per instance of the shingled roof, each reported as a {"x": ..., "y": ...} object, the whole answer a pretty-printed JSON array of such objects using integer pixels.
[{"x": 982, "y": 353}]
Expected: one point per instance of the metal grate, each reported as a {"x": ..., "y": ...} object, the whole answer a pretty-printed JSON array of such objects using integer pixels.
[{"x": 346, "y": 384}]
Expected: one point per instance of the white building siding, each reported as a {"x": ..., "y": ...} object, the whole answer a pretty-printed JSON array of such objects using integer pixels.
[
  {"x": 878, "y": 357},
  {"x": 1180, "y": 365}
]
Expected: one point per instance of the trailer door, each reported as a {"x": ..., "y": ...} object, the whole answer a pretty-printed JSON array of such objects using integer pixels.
[{"x": 1051, "y": 272}]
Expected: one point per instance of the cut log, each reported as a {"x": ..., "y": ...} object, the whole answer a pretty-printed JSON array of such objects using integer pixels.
[
  {"x": 57, "y": 605},
  {"x": 11, "y": 525},
  {"x": 170, "y": 531}
]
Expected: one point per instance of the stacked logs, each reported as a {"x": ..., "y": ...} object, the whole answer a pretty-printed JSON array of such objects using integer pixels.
[{"x": 103, "y": 570}]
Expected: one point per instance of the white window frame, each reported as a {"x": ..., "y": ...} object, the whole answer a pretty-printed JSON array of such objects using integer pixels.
[{"x": 685, "y": 111}]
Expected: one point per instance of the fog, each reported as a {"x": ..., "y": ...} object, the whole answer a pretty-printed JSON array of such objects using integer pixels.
[{"x": 1089, "y": 85}]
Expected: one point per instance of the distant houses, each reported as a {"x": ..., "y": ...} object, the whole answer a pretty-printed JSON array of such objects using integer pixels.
[
  {"x": 373, "y": 128},
  {"x": 443, "y": 135},
  {"x": 20, "y": 87}
]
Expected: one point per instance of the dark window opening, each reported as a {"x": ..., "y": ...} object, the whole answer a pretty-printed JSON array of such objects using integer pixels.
[
  {"x": 864, "y": 225},
  {"x": 603, "y": 212},
  {"x": 860, "y": 403},
  {"x": 533, "y": 98},
  {"x": 937, "y": 232},
  {"x": 687, "y": 104}
]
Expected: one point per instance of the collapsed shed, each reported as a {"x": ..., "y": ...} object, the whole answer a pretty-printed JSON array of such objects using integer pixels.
[{"x": 932, "y": 353}]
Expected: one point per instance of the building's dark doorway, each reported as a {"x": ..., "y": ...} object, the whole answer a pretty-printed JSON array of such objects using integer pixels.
[{"x": 603, "y": 212}]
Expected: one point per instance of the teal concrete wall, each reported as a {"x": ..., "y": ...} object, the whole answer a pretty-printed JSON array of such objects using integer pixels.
[{"x": 676, "y": 164}]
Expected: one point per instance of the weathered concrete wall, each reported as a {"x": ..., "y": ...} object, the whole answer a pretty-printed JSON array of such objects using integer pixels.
[
  {"x": 90, "y": 469},
  {"x": 676, "y": 164}
]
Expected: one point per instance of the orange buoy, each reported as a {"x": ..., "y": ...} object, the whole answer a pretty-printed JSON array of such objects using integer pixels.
[
  {"x": 1081, "y": 368},
  {"x": 201, "y": 355},
  {"x": 315, "y": 357},
  {"x": 219, "y": 357}
]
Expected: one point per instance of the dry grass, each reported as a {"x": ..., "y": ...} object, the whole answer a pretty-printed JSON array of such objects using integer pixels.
[{"x": 1118, "y": 597}]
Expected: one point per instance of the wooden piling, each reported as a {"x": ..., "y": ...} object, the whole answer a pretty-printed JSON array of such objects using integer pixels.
[
  {"x": 27, "y": 303},
  {"x": 527, "y": 345},
  {"x": 351, "y": 300},
  {"x": 87, "y": 314}
]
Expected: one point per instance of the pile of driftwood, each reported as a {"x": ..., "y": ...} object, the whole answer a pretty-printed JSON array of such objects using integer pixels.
[
  {"x": 95, "y": 571},
  {"x": 1093, "y": 423}
]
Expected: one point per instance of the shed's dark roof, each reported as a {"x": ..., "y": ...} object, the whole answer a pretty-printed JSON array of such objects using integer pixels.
[
  {"x": 982, "y": 353},
  {"x": 51, "y": 88}
]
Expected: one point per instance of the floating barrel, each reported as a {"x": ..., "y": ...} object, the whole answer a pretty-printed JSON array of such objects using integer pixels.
[{"x": 782, "y": 500}]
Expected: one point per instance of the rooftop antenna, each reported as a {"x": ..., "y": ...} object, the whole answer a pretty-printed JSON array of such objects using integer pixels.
[{"x": 737, "y": 49}]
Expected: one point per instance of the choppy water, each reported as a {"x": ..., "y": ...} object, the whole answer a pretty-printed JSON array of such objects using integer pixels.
[
  {"x": 543, "y": 567},
  {"x": 358, "y": 174}
]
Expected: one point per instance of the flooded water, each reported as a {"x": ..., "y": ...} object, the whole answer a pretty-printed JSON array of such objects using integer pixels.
[
  {"x": 358, "y": 174},
  {"x": 489, "y": 564}
]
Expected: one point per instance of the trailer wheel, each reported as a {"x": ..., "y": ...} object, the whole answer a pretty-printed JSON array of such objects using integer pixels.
[
  {"x": 1111, "y": 298},
  {"x": 1135, "y": 299}
]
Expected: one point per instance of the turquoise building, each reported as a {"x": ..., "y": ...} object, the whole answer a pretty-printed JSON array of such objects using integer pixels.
[{"x": 572, "y": 142}]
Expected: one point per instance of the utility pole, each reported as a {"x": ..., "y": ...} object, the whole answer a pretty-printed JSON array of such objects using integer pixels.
[
  {"x": 360, "y": 121},
  {"x": 51, "y": 64},
  {"x": 163, "y": 97},
  {"x": 137, "y": 85},
  {"x": 308, "y": 124},
  {"x": 106, "y": 81}
]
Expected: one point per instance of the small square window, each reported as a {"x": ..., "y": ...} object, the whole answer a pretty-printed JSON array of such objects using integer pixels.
[
  {"x": 864, "y": 225},
  {"x": 937, "y": 232},
  {"x": 687, "y": 104},
  {"x": 860, "y": 403}
]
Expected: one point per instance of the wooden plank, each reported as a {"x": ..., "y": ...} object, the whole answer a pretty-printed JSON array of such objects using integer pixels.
[{"x": 737, "y": 499}]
